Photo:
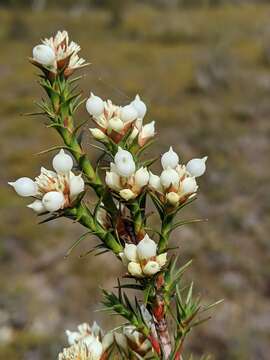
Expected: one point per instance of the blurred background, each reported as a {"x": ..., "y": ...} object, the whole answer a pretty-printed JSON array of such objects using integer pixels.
[{"x": 203, "y": 68}]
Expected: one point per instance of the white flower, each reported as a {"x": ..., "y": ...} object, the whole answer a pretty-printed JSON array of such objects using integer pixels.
[
  {"x": 25, "y": 186},
  {"x": 196, "y": 167},
  {"x": 130, "y": 252},
  {"x": 169, "y": 159},
  {"x": 76, "y": 186},
  {"x": 140, "y": 106},
  {"x": 189, "y": 185},
  {"x": 37, "y": 206},
  {"x": 151, "y": 268},
  {"x": 115, "y": 124},
  {"x": 113, "y": 180},
  {"x": 169, "y": 177},
  {"x": 98, "y": 134},
  {"x": 161, "y": 259},
  {"x": 124, "y": 163},
  {"x": 53, "y": 200},
  {"x": 146, "y": 133},
  {"x": 94, "y": 105},
  {"x": 154, "y": 182},
  {"x": 146, "y": 248},
  {"x": 173, "y": 198},
  {"x": 128, "y": 113},
  {"x": 127, "y": 194},
  {"x": 135, "y": 269},
  {"x": 44, "y": 54},
  {"x": 136, "y": 340},
  {"x": 62, "y": 162},
  {"x": 141, "y": 177}
]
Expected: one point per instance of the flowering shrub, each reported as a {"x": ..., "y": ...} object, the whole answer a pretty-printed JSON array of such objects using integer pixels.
[{"x": 119, "y": 219}]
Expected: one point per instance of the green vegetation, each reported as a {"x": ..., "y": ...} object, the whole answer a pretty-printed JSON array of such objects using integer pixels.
[{"x": 206, "y": 74}]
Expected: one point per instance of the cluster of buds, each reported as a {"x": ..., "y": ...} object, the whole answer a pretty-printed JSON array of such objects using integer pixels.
[
  {"x": 177, "y": 183},
  {"x": 115, "y": 121},
  {"x": 123, "y": 177},
  {"x": 142, "y": 259},
  {"x": 57, "y": 54},
  {"x": 85, "y": 344},
  {"x": 53, "y": 190}
]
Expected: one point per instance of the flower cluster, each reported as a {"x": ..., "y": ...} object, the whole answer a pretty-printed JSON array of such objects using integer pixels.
[
  {"x": 85, "y": 344},
  {"x": 142, "y": 259},
  {"x": 53, "y": 190},
  {"x": 58, "y": 54},
  {"x": 115, "y": 121},
  {"x": 177, "y": 183},
  {"x": 123, "y": 177}
]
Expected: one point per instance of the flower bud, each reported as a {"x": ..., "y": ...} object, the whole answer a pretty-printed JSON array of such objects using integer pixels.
[
  {"x": 124, "y": 163},
  {"x": 62, "y": 162},
  {"x": 98, "y": 134},
  {"x": 128, "y": 113},
  {"x": 169, "y": 159},
  {"x": 154, "y": 182},
  {"x": 116, "y": 124},
  {"x": 25, "y": 187},
  {"x": 53, "y": 200},
  {"x": 146, "y": 248},
  {"x": 44, "y": 54},
  {"x": 94, "y": 347},
  {"x": 37, "y": 206},
  {"x": 132, "y": 334},
  {"x": 141, "y": 177},
  {"x": 76, "y": 186},
  {"x": 127, "y": 194},
  {"x": 94, "y": 105},
  {"x": 130, "y": 252},
  {"x": 135, "y": 269},
  {"x": 172, "y": 198},
  {"x": 107, "y": 341},
  {"x": 196, "y": 167},
  {"x": 148, "y": 131},
  {"x": 112, "y": 180},
  {"x": 169, "y": 177},
  {"x": 151, "y": 268},
  {"x": 140, "y": 106},
  {"x": 189, "y": 185},
  {"x": 161, "y": 259}
]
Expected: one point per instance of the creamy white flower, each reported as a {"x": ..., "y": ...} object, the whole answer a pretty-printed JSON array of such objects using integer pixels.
[
  {"x": 113, "y": 180},
  {"x": 37, "y": 206},
  {"x": 140, "y": 106},
  {"x": 53, "y": 200},
  {"x": 154, "y": 182},
  {"x": 169, "y": 177},
  {"x": 44, "y": 55},
  {"x": 130, "y": 252},
  {"x": 146, "y": 248},
  {"x": 76, "y": 185},
  {"x": 127, "y": 194},
  {"x": 135, "y": 269},
  {"x": 169, "y": 159},
  {"x": 189, "y": 185},
  {"x": 148, "y": 131},
  {"x": 151, "y": 268},
  {"x": 141, "y": 177},
  {"x": 124, "y": 163},
  {"x": 94, "y": 105},
  {"x": 62, "y": 162},
  {"x": 128, "y": 113},
  {"x": 24, "y": 187},
  {"x": 161, "y": 259},
  {"x": 173, "y": 198},
  {"x": 115, "y": 124},
  {"x": 196, "y": 167},
  {"x": 98, "y": 134}
]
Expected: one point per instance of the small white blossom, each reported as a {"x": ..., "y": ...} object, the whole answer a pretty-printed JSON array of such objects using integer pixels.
[
  {"x": 169, "y": 159},
  {"x": 127, "y": 194},
  {"x": 128, "y": 113},
  {"x": 62, "y": 162},
  {"x": 44, "y": 55},
  {"x": 53, "y": 200},
  {"x": 141, "y": 177},
  {"x": 151, "y": 268},
  {"x": 98, "y": 134},
  {"x": 25, "y": 187},
  {"x": 140, "y": 106},
  {"x": 196, "y": 167},
  {"x": 189, "y": 185},
  {"x": 37, "y": 206},
  {"x": 147, "y": 132},
  {"x": 76, "y": 186},
  {"x": 124, "y": 163},
  {"x": 146, "y": 248},
  {"x": 169, "y": 177},
  {"x": 94, "y": 105}
]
